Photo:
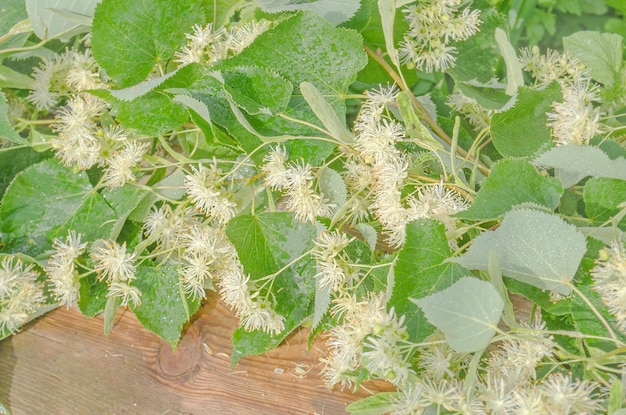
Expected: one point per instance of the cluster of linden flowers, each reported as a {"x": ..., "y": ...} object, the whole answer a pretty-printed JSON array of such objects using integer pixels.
[
  {"x": 83, "y": 139},
  {"x": 21, "y": 294},
  {"x": 208, "y": 45},
  {"x": 433, "y": 378},
  {"x": 192, "y": 237},
  {"x": 83, "y": 142},
  {"x": 609, "y": 281},
  {"x": 295, "y": 180},
  {"x": 111, "y": 262},
  {"x": 377, "y": 173},
  {"x": 368, "y": 336},
  {"x": 433, "y": 25},
  {"x": 63, "y": 75},
  {"x": 576, "y": 120}
]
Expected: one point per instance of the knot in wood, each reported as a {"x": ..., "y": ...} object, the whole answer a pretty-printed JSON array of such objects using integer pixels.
[{"x": 180, "y": 364}]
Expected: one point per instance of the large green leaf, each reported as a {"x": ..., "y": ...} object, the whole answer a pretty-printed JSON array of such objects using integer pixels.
[
  {"x": 467, "y": 313},
  {"x": 153, "y": 114},
  {"x": 46, "y": 200},
  {"x": 130, "y": 37},
  {"x": 267, "y": 243},
  {"x": 600, "y": 52},
  {"x": 307, "y": 48},
  {"x": 521, "y": 130},
  {"x": 419, "y": 271},
  {"x": 163, "y": 308},
  {"x": 510, "y": 183},
  {"x": 603, "y": 198},
  {"x": 534, "y": 247},
  {"x": 573, "y": 162}
]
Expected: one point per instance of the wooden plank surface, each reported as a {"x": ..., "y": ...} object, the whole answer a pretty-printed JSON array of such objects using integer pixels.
[{"x": 63, "y": 364}]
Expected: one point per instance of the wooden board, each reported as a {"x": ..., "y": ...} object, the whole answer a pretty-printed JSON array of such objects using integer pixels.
[{"x": 63, "y": 364}]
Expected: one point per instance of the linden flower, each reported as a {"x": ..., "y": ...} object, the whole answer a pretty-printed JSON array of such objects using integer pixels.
[
  {"x": 119, "y": 167},
  {"x": 203, "y": 189},
  {"x": 49, "y": 81},
  {"x": 127, "y": 293},
  {"x": 112, "y": 262},
  {"x": 275, "y": 169},
  {"x": 609, "y": 276},
  {"x": 575, "y": 120},
  {"x": 563, "y": 395},
  {"x": 432, "y": 25},
  {"x": 61, "y": 271},
  {"x": 20, "y": 293},
  {"x": 553, "y": 66}
]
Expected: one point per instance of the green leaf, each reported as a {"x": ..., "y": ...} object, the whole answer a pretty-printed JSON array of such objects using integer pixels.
[
  {"x": 600, "y": 52},
  {"x": 490, "y": 96},
  {"x": 124, "y": 200},
  {"x": 603, "y": 198},
  {"x": 387, "y": 11},
  {"x": 152, "y": 114},
  {"x": 11, "y": 12},
  {"x": 478, "y": 56},
  {"x": 142, "y": 88},
  {"x": 539, "y": 297},
  {"x": 92, "y": 295},
  {"x": 326, "y": 113},
  {"x": 249, "y": 86},
  {"x": 333, "y": 187},
  {"x": 369, "y": 234},
  {"x": 413, "y": 124},
  {"x": 50, "y": 18},
  {"x": 321, "y": 304},
  {"x": 534, "y": 247},
  {"x": 14, "y": 160},
  {"x": 569, "y": 6},
  {"x": 10, "y": 78},
  {"x": 378, "y": 404},
  {"x": 130, "y": 37},
  {"x": 512, "y": 182},
  {"x": 306, "y": 48},
  {"x": 419, "y": 271},
  {"x": 6, "y": 130},
  {"x": 467, "y": 313},
  {"x": 514, "y": 74},
  {"x": 576, "y": 162},
  {"x": 336, "y": 11},
  {"x": 163, "y": 309},
  {"x": 586, "y": 321},
  {"x": 45, "y": 201},
  {"x": 267, "y": 243},
  {"x": 521, "y": 130},
  {"x": 110, "y": 309}
]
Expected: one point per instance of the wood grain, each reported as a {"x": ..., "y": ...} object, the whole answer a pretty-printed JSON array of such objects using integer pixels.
[{"x": 63, "y": 364}]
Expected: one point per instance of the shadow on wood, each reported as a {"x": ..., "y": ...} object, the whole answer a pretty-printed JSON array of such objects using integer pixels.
[{"x": 63, "y": 364}]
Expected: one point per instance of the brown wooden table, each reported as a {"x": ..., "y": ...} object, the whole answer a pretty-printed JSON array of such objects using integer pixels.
[{"x": 63, "y": 364}]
